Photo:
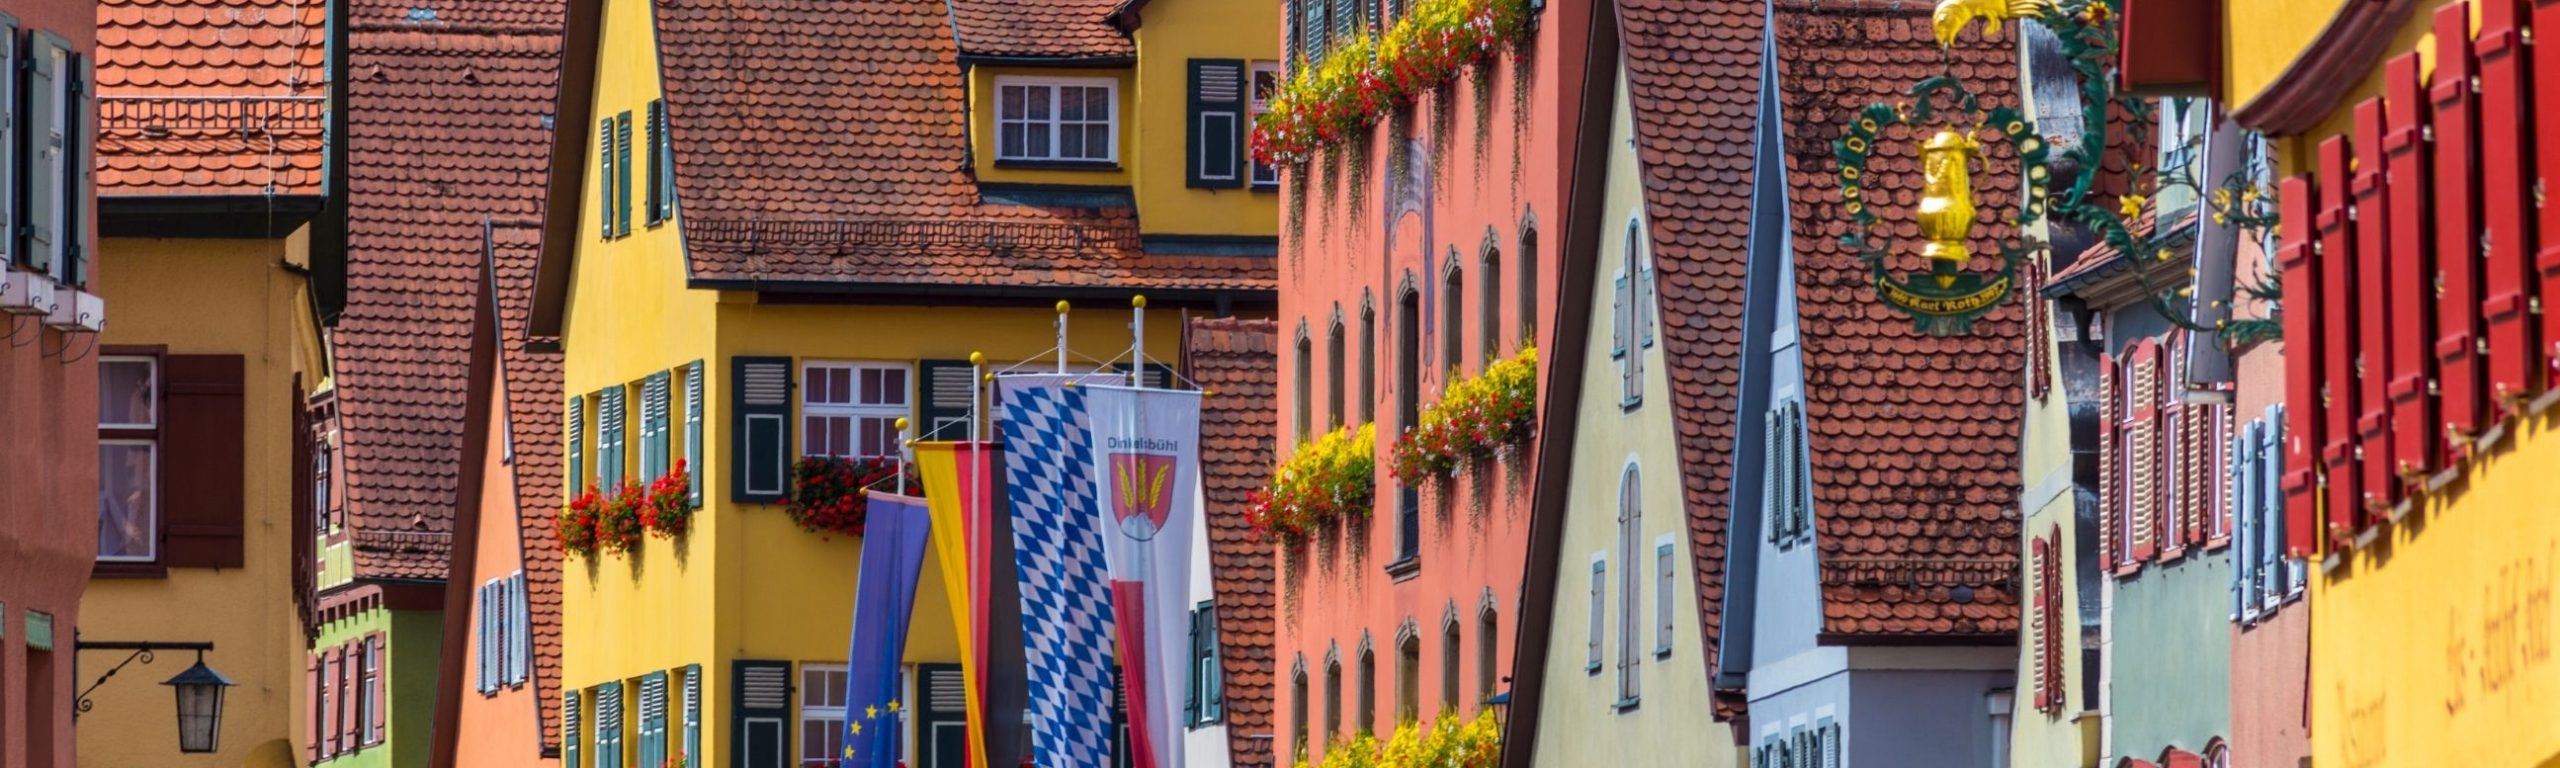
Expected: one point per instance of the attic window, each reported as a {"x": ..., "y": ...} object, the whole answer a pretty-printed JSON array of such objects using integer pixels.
[
  {"x": 1053, "y": 119},
  {"x": 422, "y": 14}
]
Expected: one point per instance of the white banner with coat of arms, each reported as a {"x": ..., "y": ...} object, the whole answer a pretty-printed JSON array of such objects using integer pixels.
[{"x": 1146, "y": 451}]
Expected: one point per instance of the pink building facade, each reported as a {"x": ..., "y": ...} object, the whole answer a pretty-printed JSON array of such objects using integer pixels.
[{"x": 1413, "y": 254}]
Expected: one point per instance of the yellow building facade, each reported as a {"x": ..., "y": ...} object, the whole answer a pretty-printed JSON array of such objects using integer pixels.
[{"x": 912, "y": 246}]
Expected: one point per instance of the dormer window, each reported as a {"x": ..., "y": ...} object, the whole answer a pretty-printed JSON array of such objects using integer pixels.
[{"x": 1057, "y": 119}]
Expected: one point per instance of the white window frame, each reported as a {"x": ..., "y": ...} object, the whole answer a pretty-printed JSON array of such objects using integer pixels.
[
  {"x": 151, "y": 511},
  {"x": 1263, "y": 176},
  {"x": 368, "y": 691},
  {"x": 829, "y": 715},
  {"x": 1051, "y": 86},
  {"x": 856, "y": 412}
]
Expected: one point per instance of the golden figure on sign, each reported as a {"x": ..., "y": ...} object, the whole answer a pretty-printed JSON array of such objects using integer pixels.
[
  {"x": 1953, "y": 16},
  {"x": 1946, "y": 201}
]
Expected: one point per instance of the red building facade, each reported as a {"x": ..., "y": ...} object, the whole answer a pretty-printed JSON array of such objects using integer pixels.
[
  {"x": 48, "y": 377},
  {"x": 1413, "y": 257}
]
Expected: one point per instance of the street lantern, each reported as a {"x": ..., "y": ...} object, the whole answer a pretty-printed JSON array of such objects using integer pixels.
[
  {"x": 199, "y": 690},
  {"x": 1500, "y": 703}
]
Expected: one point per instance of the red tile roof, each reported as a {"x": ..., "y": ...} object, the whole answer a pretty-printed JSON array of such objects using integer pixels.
[
  {"x": 1238, "y": 362},
  {"x": 1913, "y": 438},
  {"x": 1075, "y": 29},
  {"x": 211, "y": 97},
  {"x": 774, "y": 189},
  {"x": 445, "y": 128},
  {"x": 533, "y": 388},
  {"x": 1693, "y": 83}
]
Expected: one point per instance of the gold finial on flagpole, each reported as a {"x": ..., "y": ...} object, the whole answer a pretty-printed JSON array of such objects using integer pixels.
[
  {"x": 1062, "y": 306},
  {"x": 977, "y": 358},
  {"x": 1139, "y": 301}
]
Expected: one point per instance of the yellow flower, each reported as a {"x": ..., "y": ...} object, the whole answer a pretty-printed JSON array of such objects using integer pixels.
[{"x": 2132, "y": 206}]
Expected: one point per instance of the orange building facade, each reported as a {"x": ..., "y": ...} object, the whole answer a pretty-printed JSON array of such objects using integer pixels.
[{"x": 1412, "y": 259}]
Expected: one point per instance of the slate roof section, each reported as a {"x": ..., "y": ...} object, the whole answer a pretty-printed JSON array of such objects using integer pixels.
[
  {"x": 1913, "y": 438},
  {"x": 1238, "y": 361},
  {"x": 1045, "y": 29},
  {"x": 211, "y": 97},
  {"x": 773, "y": 191},
  {"x": 1693, "y": 84},
  {"x": 445, "y": 128},
  {"x": 534, "y": 394}
]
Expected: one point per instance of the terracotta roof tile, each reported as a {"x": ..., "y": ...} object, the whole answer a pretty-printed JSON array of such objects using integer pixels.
[
  {"x": 1238, "y": 362},
  {"x": 533, "y": 381},
  {"x": 1043, "y": 28},
  {"x": 415, "y": 257},
  {"x": 1692, "y": 69},
  {"x": 211, "y": 97},
  {"x": 772, "y": 189},
  {"x": 1913, "y": 438}
]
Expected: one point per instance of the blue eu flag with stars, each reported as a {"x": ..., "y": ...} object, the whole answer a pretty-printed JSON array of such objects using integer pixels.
[{"x": 884, "y": 597}]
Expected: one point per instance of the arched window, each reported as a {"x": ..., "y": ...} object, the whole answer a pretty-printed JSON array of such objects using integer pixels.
[
  {"x": 1529, "y": 283},
  {"x": 1449, "y": 670},
  {"x": 1368, "y": 359},
  {"x": 1408, "y": 392},
  {"x": 1489, "y": 311},
  {"x": 1297, "y": 710},
  {"x": 1333, "y": 372},
  {"x": 1305, "y": 386},
  {"x": 1630, "y": 580},
  {"x": 1332, "y": 699},
  {"x": 1633, "y": 329},
  {"x": 1366, "y": 714},
  {"x": 1487, "y": 640},
  {"x": 1453, "y": 318},
  {"x": 1409, "y": 678}
]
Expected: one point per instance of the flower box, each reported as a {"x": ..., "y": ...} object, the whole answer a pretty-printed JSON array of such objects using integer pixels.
[
  {"x": 1343, "y": 94},
  {"x": 1329, "y": 480},
  {"x": 1475, "y": 420},
  {"x": 826, "y": 491}
]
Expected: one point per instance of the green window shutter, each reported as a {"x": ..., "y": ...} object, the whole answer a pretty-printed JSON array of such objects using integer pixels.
[
  {"x": 657, "y": 161},
  {"x": 693, "y": 715},
  {"x": 10, "y": 251},
  {"x": 1215, "y": 130},
  {"x": 572, "y": 737},
  {"x": 655, "y": 424},
  {"x": 1311, "y": 27},
  {"x": 1799, "y": 482},
  {"x": 48, "y": 55},
  {"x": 693, "y": 430},
  {"x": 759, "y": 428},
  {"x": 1191, "y": 693},
  {"x": 609, "y": 725},
  {"x": 666, "y": 167},
  {"x": 948, "y": 386},
  {"x": 609, "y": 438},
  {"x": 760, "y": 723},
  {"x": 622, "y": 174},
  {"x": 577, "y": 428},
  {"x": 653, "y": 719},
  {"x": 79, "y": 173},
  {"x": 604, "y": 174}
]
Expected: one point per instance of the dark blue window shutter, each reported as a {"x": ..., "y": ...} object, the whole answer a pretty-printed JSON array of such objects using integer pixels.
[
  {"x": 693, "y": 715},
  {"x": 759, "y": 428},
  {"x": 760, "y": 721},
  {"x": 693, "y": 430},
  {"x": 572, "y": 737},
  {"x": 948, "y": 387},
  {"x": 656, "y": 136},
  {"x": 577, "y": 428},
  {"x": 1215, "y": 130},
  {"x": 78, "y": 173}
]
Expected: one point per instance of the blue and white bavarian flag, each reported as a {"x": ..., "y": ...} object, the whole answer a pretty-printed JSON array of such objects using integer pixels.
[{"x": 1057, "y": 551}]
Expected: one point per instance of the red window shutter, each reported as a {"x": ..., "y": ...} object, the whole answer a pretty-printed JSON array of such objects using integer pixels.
[
  {"x": 2457, "y": 228},
  {"x": 347, "y": 712},
  {"x": 205, "y": 433},
  {"x": 2413, "y": 421},
  {"x": 2338, "y": 350},
  {"x": 331, "y": 666},
  {"x": 2546, "y": 138},
  {"x": 2374, "y": 310},
  {"x": 2300, "y": 275},
  {"x": 2111, "y": 498},
  {"x": 2056, "y": 651},
  {"x": 378, "y": 667},
  {"x": 2505, "y": 195},
  {"x": 311, "y": 707},
  {"x": 2044, "y": 698},
  {"x": 2144, "y": 443}
]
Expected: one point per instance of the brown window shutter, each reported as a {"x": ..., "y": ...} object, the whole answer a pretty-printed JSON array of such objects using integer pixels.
[
  {"x": 347, "y": 662},
  {"x": 200, "y": 480},
  {"x": 311, "y": 710},
  {"x": 373, "y": 685},
  {"x": 330, "y": 668}
]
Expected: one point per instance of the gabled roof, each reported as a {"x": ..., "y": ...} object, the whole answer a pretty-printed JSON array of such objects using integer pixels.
[
  {"x": 445, "y": 128},
  {"x": 1238, "y": 362},
  {"x": 532, "y": 375},
  {"x": 1693, "y": 83},
  {"x": 1913, "y": 438},
  {"x": 211, "y": 97},
  {"x": 822, "y": 146},
  {"x": 1040, "y": 29}
]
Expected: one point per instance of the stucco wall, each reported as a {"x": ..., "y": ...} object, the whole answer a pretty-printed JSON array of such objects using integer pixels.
[
  {"x": 1922, "y": 718},
  {"x": 411, "y": 644},
  {"x": 2172, "y": 657},
  {"x": 1580, "y": 721},
  {"x": 500, "y": 728},
  {"x": 213, "y": 297},
  {"x": 1172, "y": 33}
]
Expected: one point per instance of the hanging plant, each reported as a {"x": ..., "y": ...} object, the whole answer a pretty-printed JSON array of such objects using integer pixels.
[
  {"x": 1474, "y": 418},
  {"x": 1360, "y": 79},
  {"x": 577, "y": 526},
  {"x": 668, "y": 512},
  {"x": 618, "y": 524},
  {"x": 826, "y": 492},
  {"x": 1329, "y": 480}
]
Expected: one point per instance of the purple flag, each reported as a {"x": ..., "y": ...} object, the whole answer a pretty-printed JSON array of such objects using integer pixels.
[{"x": 883, "y": 601}]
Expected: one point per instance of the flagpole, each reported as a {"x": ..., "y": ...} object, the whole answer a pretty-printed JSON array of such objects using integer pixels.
[
  {"x": 904, "y": 443},
  {"x": 1138, "y": 340},
  {"x": 1062, "y": 337}
]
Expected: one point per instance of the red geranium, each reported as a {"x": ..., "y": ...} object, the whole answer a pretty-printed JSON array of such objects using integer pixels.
[{"x": 577, "y": 529}]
